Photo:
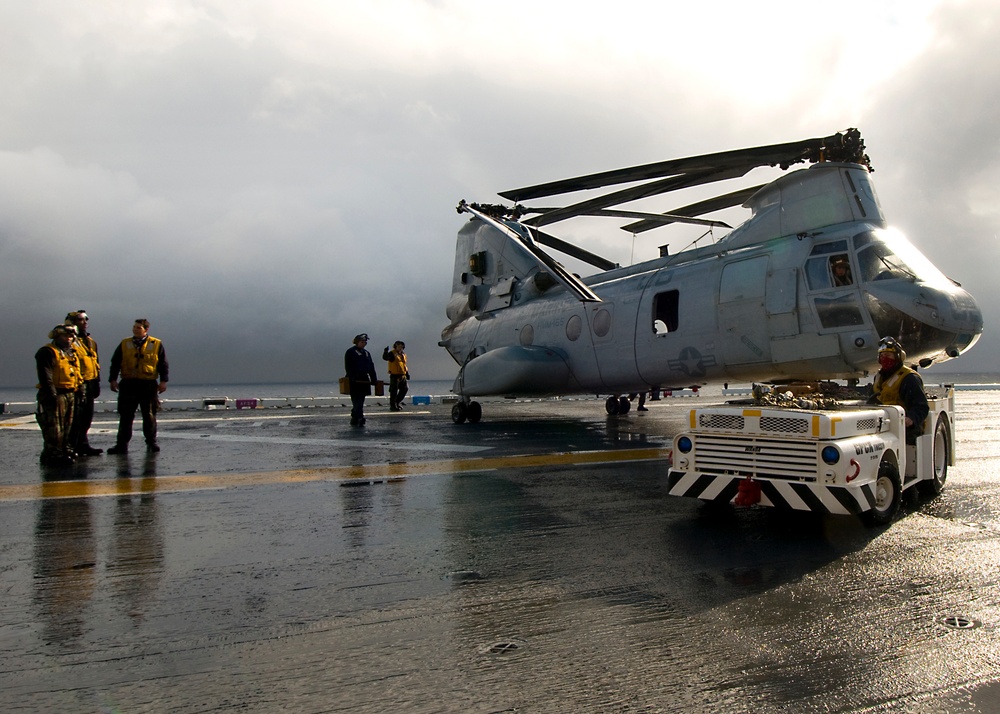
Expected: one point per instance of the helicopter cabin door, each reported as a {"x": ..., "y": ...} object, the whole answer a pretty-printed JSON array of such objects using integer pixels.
[
  {"x": 743, "y": 323},
  {"x": 612, "y": 344}
]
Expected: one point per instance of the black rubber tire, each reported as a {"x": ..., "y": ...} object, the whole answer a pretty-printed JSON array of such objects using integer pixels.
[
  {"x": 611, "y": 406},
  {"x": 474, "y": 412},
  {"x": 624, "y": 405},
  {"x": 888, "y": 496},
  {"x": 940, "y": 456},
  {"x": 459, "y": 413}
]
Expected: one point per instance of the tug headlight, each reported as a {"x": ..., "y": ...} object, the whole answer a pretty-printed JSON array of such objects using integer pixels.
[
  {"x": 830, "y": 454},
  {"x": 684, "y": 444}
]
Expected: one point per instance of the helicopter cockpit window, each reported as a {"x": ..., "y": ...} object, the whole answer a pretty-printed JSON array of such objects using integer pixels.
[
  {"x": 816, "y": 274},
  {"x": 888, "y": 255},
  {"x": 837, "y": 246},
  {"x": 840, "y": 269},
  {"x": 665, "y": 313},
  {"x": 820, "y": 271},
  {"x": 839, "y": 311},
  {"x": 879, "y": 262}
]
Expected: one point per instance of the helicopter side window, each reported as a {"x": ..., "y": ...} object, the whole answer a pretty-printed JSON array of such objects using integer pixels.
[{"x": 665, "y": 313}]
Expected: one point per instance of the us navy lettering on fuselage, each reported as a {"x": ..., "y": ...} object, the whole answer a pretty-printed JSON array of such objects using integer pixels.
[{"x": 802, "y": 290}]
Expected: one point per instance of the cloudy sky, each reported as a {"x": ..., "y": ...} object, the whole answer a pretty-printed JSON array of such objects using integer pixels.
[{"x": 264, "y": 180}]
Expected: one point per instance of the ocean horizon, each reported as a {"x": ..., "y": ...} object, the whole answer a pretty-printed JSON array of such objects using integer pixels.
[
  {"x": 269, "y": 390},
  {"x": 432, "y": 388}
]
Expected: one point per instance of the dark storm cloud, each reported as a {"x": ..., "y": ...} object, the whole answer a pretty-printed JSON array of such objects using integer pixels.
[
  {"x": 935, "y": 132},
  {"x": 262, "y": 190}
]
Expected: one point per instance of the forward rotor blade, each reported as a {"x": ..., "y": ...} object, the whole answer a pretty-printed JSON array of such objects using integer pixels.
[
  {"x": 736, "y": 198},
  {"x": 634, "y": 193},
  {"x": 846, "y": 146},
  {"x": 656, "y": 218}
]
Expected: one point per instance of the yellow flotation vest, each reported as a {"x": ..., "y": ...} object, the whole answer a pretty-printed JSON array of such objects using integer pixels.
[
  {"x": 887, "y": 391},
  {"x": 65, "y": 372},
  {"x": 86, "y": 354},
  {"x": 140, "y": 363},
  {"x": 397, "y": 365}
]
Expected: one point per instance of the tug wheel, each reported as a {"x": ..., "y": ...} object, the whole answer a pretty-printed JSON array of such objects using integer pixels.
[
  {"x": 888, "y": 496},
  {"x": 940, "y": 456}
]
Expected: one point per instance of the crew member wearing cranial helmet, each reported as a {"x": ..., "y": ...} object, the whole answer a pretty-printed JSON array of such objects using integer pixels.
[
  {"x": 58, "y": 383},
  {"x": 895, "y": 383},
  {"x": 360, "y": 371},
  {"x": 90, "y": 372}
]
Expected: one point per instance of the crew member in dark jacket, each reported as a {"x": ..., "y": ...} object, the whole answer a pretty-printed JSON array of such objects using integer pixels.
[
  {"x": 895, "y": 383},
  {"x": 361, "y": 372},
  {"x": 140, "y": 360},
  {"x": 58, "y": 384}
]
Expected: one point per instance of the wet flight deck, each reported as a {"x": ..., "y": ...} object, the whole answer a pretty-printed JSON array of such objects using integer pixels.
[{"x": 281, "y": 560}]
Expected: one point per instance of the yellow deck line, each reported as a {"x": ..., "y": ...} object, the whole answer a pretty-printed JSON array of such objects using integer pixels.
[{"x": 372, "y": 472}]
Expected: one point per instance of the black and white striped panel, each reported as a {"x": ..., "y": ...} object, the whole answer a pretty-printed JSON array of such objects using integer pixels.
[{"x": 842, "y": 500}]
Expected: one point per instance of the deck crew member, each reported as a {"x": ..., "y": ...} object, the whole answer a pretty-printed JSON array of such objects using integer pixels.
[
  {"x": 398, "y": 374},
  {"x": 90, "y": 372},
  {"x": 58, "y": 383},
  {"x": 895, "y": 383},
  {"x": 140, "y": 360},
  {"x": 361, "y": 372}
]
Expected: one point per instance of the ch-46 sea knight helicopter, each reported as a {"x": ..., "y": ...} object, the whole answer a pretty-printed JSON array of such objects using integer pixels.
[{"x": 801, "y": 291}]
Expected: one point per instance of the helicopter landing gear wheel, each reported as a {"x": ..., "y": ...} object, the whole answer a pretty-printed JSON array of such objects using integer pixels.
[
  {"x": 611, "y": 406},
  {"x": 471, "y": 412}
]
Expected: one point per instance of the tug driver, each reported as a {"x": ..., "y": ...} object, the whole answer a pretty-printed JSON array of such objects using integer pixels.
[{"x": 895, "y": 383}]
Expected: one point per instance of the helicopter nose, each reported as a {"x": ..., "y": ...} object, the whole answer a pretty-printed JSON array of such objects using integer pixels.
[
  {"x": 967, "y": 321},
  {"x": 935, "y": 321}
]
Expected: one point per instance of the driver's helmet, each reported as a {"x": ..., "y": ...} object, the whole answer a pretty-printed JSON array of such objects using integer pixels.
[{"x": 889, "y": 344}]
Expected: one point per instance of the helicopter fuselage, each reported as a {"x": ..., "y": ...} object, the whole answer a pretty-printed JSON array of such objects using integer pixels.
[{"x": 802, "y": 291}]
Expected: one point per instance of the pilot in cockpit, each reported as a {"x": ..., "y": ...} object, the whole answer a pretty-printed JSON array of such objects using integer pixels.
[{"x": 840, "y": 269}]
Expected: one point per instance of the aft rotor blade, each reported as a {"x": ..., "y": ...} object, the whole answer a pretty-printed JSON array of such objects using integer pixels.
[
  {"x": 573, "y": 250},
  {"x": 736, "y": 198},
  {"x": 846, "y": 146},
  {"x": 563, "y": 276}
]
